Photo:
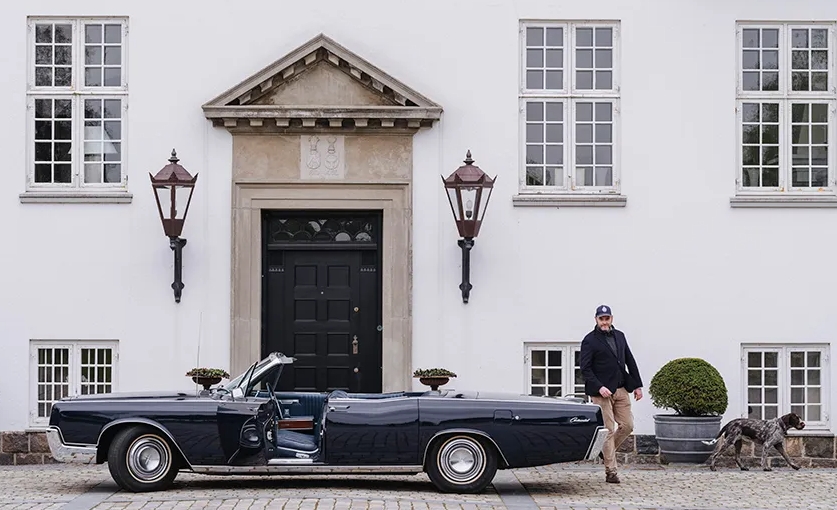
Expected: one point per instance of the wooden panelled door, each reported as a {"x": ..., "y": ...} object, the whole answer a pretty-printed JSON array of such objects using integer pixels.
[{"x": 322, "y": 299}]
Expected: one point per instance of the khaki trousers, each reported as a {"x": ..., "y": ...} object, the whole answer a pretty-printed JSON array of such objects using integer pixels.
[{"x": 616, "y": 410}]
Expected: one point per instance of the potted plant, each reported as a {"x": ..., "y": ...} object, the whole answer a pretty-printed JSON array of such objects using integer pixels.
[
  {"x": 433, "y": 377},
  {"x": 207, "y": 376},
  {"x": 696, "y": 392}
]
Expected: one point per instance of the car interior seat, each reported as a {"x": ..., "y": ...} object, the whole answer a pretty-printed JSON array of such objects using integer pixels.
[{"x": 289, "y": 443}]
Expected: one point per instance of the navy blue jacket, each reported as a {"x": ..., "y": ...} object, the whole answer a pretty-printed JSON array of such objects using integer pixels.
[{"x": 601, "y": 367}]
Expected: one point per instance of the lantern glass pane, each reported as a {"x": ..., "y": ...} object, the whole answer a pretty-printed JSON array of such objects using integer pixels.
[
  {"x": 183, "y": 194},
  {"x": 469, "y": 202},
  {"x": 164, "y": 197},
  {"x": 454, "y": 203},
  {"x": 484, "y": 198}
]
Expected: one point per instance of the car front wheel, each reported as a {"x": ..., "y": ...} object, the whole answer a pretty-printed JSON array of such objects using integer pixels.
[
  {"x": 461, "y": 464},
  {"x": 140, "y": 459}
]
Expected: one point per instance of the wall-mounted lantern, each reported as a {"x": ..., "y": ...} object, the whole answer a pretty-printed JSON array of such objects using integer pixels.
[
  {"x": 173, "y": 187},
  {"x": 469, "y": 190}
]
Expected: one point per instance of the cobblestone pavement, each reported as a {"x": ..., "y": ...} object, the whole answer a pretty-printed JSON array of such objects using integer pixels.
[{"x": 63, "y": 487}]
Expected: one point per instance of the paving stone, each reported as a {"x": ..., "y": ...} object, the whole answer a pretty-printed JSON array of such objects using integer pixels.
[
  {"x": 793, "y": 446},
  {"x": 23, "y": 459},
  {"x": 819, "y": 447},
  {"x": 682, "y": 487},
  {"x": 15, "y": 442},
  {"x": 647, "y": 445},
  {"x": 820, "y": 463},
  {"x": 633, "y": 458},
  {"x": 627, "y": 446},
  {"x": 38, "y": 443},
  {"x": 561, "y": 487}
]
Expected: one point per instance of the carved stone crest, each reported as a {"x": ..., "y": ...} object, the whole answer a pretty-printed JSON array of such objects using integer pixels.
[
  {"x": 313, "y": 152},
  {"x": 318, "y": 162}
]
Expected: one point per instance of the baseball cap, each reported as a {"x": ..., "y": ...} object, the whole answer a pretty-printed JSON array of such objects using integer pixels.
[{"x": 603, "y": 310}]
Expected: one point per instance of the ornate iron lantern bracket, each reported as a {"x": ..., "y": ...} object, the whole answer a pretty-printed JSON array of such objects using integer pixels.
[
  {"x": 469, "y": 190},
  {"x": 173, "y": 208}
]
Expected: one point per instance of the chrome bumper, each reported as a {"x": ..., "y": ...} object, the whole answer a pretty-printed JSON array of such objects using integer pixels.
[
  {"x": 65, "y": 453},
  {"x": 597, "y": 444}
]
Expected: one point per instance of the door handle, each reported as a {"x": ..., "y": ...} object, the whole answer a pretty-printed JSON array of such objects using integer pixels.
[{"x": 338, "y": 407}]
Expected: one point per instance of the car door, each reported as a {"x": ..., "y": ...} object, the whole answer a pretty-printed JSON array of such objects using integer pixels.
[
  {"x": 240, "y": 433},
  {"x": 371, "y": 432}
]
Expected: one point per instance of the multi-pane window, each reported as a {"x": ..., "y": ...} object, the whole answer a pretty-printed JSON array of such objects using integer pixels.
[
  {"x": 60, "y": 369},
  {"x": 553, "y": 370},
  {"x": 77, "y": 101},
  {"x": 569, "y": 107},
  {"x": 786, "y": 102},
  {"x": 785, "y": 379}
]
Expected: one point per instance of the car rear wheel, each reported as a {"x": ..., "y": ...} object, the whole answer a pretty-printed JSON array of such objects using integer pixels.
[
  {"x": 140, "y": 459},
  {"x": 461, "y": 464}
]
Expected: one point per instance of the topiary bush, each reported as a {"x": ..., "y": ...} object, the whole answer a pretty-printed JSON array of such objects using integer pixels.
[{"x": 689, "y": 386}]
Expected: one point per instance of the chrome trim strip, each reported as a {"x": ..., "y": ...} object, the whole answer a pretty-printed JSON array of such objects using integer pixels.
[
  {"x": 143, "y": 421},
  {"x": 313, "y": 452},
  {"x": 306, "y": 470},
  {"x": 287, "y": 462},
  {"x": 597, "y": 443},
  {"x": 461, "y": 431},
  {"x": 63, "y": 452},
  {"x": 527, "y": 399}
]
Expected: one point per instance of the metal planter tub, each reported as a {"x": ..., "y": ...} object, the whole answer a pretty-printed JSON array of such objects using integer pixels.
[{"x": 680, "y": 437}]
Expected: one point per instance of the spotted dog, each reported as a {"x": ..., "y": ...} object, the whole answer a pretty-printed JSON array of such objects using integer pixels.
[{"x": 765, "y": 432}]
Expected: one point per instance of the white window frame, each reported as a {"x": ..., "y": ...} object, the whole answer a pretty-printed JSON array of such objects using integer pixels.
[
  {"x": 74, "y": 380},
  {"x": 785, "y": 98},
  {"x": 570, "y": 96},
  {"x": 784, "y": 386},
  {"x": 568, "y": 349},
  {"x": 77, "y": 92}
]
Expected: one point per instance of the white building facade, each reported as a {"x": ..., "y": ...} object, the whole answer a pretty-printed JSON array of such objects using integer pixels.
[{"x": 674, "y": 160}]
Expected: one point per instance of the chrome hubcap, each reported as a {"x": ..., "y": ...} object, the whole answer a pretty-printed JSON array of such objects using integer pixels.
[
  {"x": 461, "y": 460},
  {"x": 148, "y": 459}
]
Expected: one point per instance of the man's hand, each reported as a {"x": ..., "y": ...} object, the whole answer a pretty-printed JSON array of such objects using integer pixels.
[
  {"x": 638, "y": 394},
  {"x": 603, "y": 391}
]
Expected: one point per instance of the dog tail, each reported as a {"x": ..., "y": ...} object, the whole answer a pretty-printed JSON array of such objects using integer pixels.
[{"x": 721, "y": 432}]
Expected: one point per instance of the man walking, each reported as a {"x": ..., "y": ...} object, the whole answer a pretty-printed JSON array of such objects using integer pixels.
[{"x": 604, "y": 354}]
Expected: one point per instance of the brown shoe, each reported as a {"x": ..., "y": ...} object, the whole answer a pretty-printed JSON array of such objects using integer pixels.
[{"x": 611, "y": 477}]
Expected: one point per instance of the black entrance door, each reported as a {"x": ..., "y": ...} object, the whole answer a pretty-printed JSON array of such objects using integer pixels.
[{"x": 322, "y": 300}]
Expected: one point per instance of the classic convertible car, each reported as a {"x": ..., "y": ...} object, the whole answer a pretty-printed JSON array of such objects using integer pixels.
[{"x": 459, "y": 438}]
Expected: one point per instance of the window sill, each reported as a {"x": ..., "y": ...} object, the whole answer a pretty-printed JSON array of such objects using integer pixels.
[
  {"x": 568, "y": 200},
  {"x": 783, "y": 201},
  {"x": 76, "y": 197},
  {"x": 819, "y": 431}
]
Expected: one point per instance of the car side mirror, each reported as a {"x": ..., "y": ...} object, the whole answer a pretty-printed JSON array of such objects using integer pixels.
[{"x": 237, "y": 393}]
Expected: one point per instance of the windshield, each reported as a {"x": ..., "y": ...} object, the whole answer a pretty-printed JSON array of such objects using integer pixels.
[
  {"x": 254, "y": 375},
  {"x": 241, "y": 380}
]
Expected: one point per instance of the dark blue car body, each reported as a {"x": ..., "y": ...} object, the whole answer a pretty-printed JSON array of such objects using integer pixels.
[{"x": 460, "y": 438}]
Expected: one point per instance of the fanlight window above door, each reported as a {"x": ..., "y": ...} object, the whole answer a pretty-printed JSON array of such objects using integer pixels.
[{"x": 325, "y": 230}]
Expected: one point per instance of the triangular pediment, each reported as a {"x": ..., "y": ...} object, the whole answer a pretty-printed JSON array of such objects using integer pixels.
[{"x": 322, "y": 84}]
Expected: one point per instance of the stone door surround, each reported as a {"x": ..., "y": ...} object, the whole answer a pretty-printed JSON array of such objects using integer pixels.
[{"x": 322, "y": 128}]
